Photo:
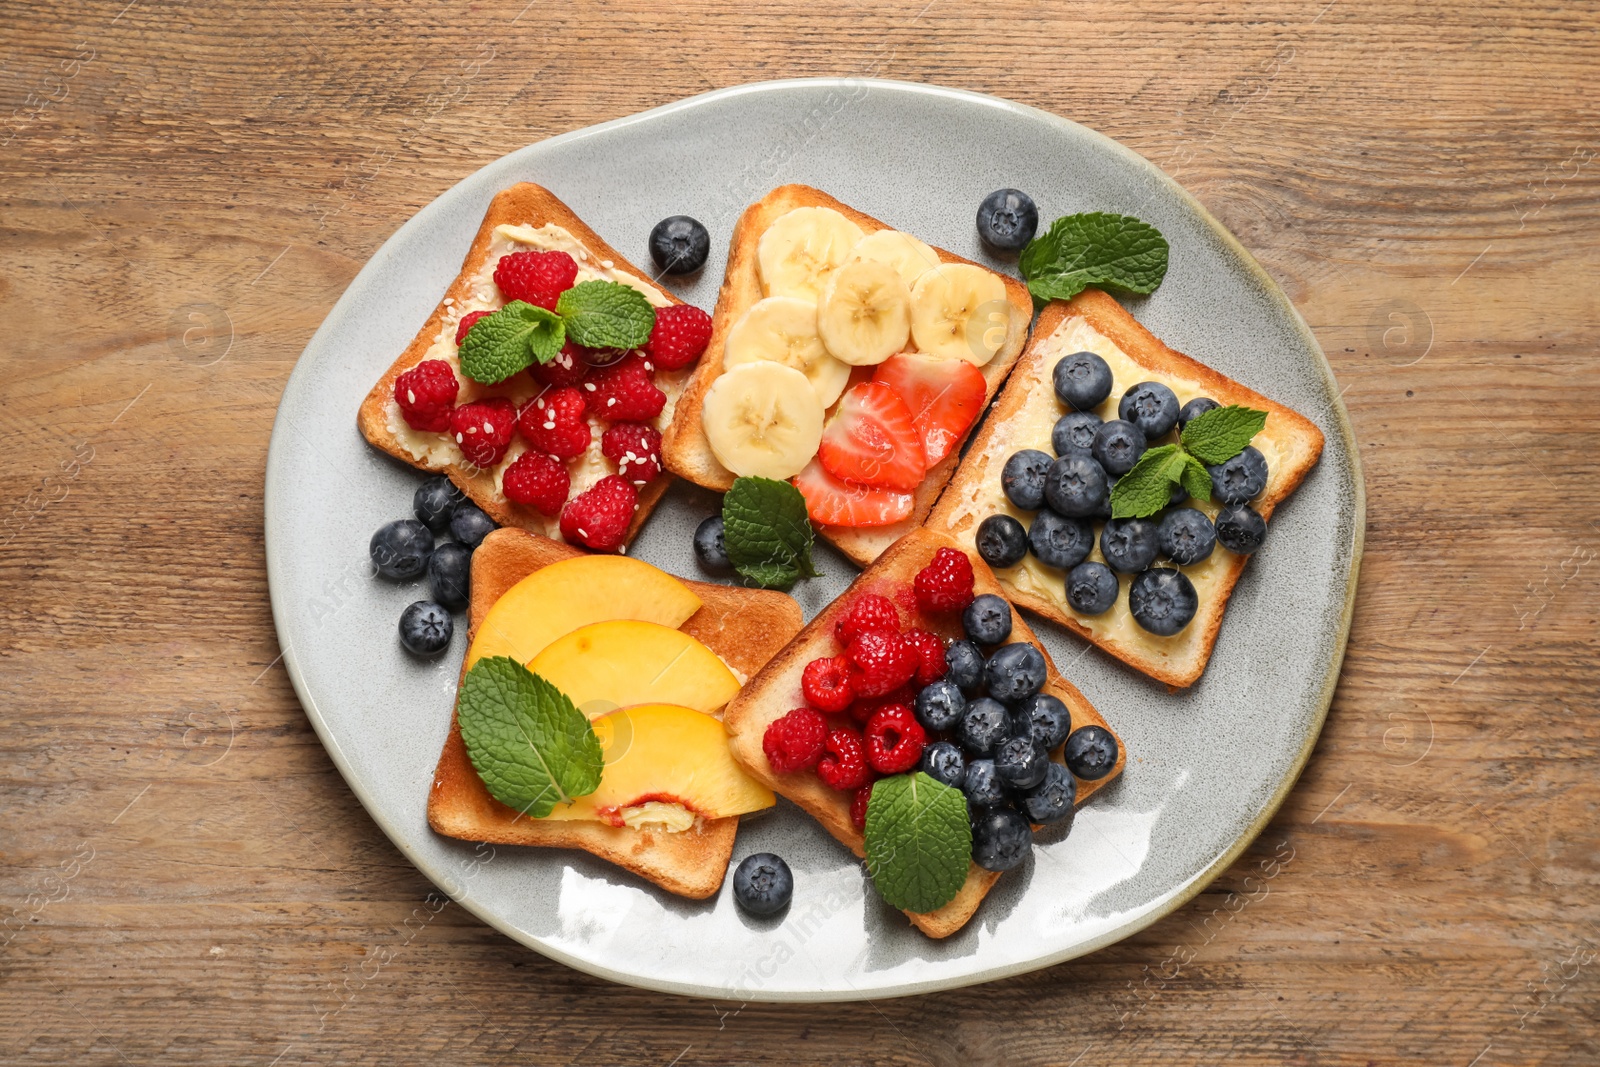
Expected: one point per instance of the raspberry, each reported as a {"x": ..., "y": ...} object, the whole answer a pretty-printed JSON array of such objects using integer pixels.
[
  {"x": 826, "y": 683},
  {"x": 625, "y": 392},
  {"x": 894, "y": 740},
  {"x": 843, "y": 765},
  {"x": 680, "y": 334},
  {"x": 794, "y": 742},
  {"x": 880, "y": 662},
  {"x": 930, "y": 656},
  {"x": 565, "y": 369},
  {"x": 426, "y": 393},
  {"x": 862, "y": 711},
  {"x": 483, "y": 429},
  {"x": 537, "y": 480},
  {"x": 866, "y": 613},
  {"x": 858, "y": 806},
  {"x": 945, "y": 584},
  {"x": 600, "y": 515},
  {"x": 536, "y": 277},
  {"x": 635, "y": 448},
  {"x": 555, "y": 422},
  {"x": 468, "y": 321}
]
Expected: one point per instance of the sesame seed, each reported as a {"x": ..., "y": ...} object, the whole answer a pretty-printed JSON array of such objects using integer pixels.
[
  {"x": 458, "y": 439},
  {"x": 487, "y": 426},
  {"x": 550, "y": 425},
  {"x": 582, "y": 532},
  {"x": 411, "y": 396},
  {"x": 589, "y": 386},
  {"x": 610, "y": 401}
]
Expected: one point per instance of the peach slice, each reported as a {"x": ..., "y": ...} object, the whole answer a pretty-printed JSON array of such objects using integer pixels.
[{"x": 609, "y": 665}]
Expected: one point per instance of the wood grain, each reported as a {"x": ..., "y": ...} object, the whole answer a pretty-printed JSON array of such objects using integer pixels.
[{"x": 187, "y": 880}]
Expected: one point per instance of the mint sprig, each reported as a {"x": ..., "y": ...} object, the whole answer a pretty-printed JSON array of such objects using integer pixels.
[
  {"x": 530, "y": 745},
  {"x": 918, "y": 841},
  {"x": 511, "y": 339},
  {"x": 1221, "y": 433},
  {"x": 1094, "y": 248},
  {"x": 602, "y": 314},
  {"x": 767, "y": 532},
  {"x": 1214, "y": 437}
]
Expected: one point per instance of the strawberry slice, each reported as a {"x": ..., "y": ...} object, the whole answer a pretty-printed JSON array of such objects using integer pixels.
[
  {"x": 832, "y": 502},
  {"x": 945, "y": 397},
  {"x": 872, "y": 440}
]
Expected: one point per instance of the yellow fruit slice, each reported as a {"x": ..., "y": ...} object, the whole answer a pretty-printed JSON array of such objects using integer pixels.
[{"x": 609, "y": 665}]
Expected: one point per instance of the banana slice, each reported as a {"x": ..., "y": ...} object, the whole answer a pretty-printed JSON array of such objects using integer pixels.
[
  {"x": 900, "y": 250},
  {"x": 783, "y": 329},
  {"x": 960, "y": 311},
  {"x": 801, "y": 248},
  {"x": 762, "y": 419},
  {"x": 864, "y": 315}
]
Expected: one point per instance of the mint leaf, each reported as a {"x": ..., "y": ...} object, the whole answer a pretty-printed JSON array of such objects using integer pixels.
[
  {"x": 767, "y": 532},
  {"x": 1196, "y": 480},
  {"x": 1114, "y": 251},
  {"x": 529, "y": 744},
  {"x": 511, "y": 339},
  {"x": 1144, "y": 490},
  {"x": 919, "y": 841},
  {"x": 1221, "y": 433},
  {"x": 606, "y": 315}
]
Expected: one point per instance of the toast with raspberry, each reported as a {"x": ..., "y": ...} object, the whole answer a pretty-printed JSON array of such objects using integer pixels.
[
  {"x": 744, "y": 627},
  {"x": 776, "y": 690}
]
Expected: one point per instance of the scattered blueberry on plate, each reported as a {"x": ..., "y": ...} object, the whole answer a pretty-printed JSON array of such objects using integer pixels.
[
  {"x": 449, "y": 574},
  {"x": 1007, "y": 219},
  {"x": 679, "y": 244},
  {"x": 435, "y": 501},
  {"x": 425, "y": 628},
  {"x": 710, "y": 547},
  {"x": 470, "y": 525},
  {"x": 763, "y": 884},
  {"x": 400, "y": 549}
]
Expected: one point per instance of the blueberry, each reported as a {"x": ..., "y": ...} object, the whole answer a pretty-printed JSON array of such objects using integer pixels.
[
  {"x": 1118, "y": 446},
  {"x": 469, "y": 525},
  {"x": 943, "y": 762},
  {"x": 1059, "y": 542},
  {"x": 400, "y": 549},
  {"x": 1076, "y": 485},
  {"x": 1177, "y": 495},
  {"x": 982, "y": 786},
  {"x": 1046, "y": 720},
  {"x": 1194, "y": 409},
  {"x": 709, "y": 547},
  {"x": 1007, "y": 219},
  {"x": 987, "y": 619},
  {"x": 1074, "y": 432},
  {"x": 1091, "y": 588},
  {"x": 1162, "y": 600},
  {"x": 1082, "y": 380},
  {"x": 1241, "y": 479},
  {"x": 1020, "y": 763},
  {"x": 1130, "y": 545},
  {"x": 1152, "y": 407},
  {"x": 1014, "y": 672},
  {"x": 1002, "y": 542},
  {"x": 1103, "y": 512},
  {"x": 449, "y": 574},
  {"x": 940, "y": 705},
  {"x": 984, "y": 726},
  {"x": 435, "y": 501},
  {"x": 762, "y": 884},
  {"x": 1186, "y": 536},
  {"x": 679, "y": 244},
  {"x": 1240, "y": 528},
  {"x": 1053, "y": 797},
  {"x": 965, "y": 665},
  {"x": 1022, "y": 478},
  {"x": 1000, "y": 839},
  {"x": 1091, "y": 752},
  {"x": 425, "y": 628}
]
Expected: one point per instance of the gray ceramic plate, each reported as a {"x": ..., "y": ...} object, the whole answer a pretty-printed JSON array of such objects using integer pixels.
[{"x": 1209, "y": 766}]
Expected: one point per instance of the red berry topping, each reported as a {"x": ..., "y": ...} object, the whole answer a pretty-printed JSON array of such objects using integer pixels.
[
  {"x": 536, "y": 277},
  {"x": 880, "y": 662},
  {"x": 930, "y": 656},
  {"x": 680, "y": 334},
  {"x": 858, "y": 806},
  {"x": 537, "y": 480},
  {"x": 832, "y": 501},
  {"x": 862, "y": 711},
  {"x": 826, "y": 683},
  {"x": 945, "y": 397},
  {"x": 872, "y": 440},
  {"x": 945, "y": 584},
  {"x": 555, "y": 422},
  {"x": 894, "y": 740},
  {"x": 625, "y": 392},
  {"x": 426, "y": 394},
  {"x": 635, "y": 448},
  {"x": 468, "y": 321},
  {"x": 565, "y": 369},
  {"x": 483, "y": 428},
  {"x": 600, "y": 515},
  {"x": 794, "y": 742},
  {"x": 843, "y": 765},
  {"x": 867, "y": 613}
]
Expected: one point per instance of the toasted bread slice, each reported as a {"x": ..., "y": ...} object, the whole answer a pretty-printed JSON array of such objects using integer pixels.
[
  {"x": 776, "y": 690},
  {"x": 1024, "y": 417},
  {"x": 543, "y": 222},
  {"x": 684, "y": 447},
  {"x": 745, "y": 627}
]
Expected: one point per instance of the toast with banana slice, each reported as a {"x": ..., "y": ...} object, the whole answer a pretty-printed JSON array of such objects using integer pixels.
[
  {"x": 744, "y": 627},
  {"x": 1024, "y": 417},
  {"x": 776, "y": 690},
  {"x": 785, "y": 251}
]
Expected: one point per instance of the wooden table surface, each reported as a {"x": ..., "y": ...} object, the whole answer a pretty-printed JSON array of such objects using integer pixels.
[{"x": 187, "y": 189}]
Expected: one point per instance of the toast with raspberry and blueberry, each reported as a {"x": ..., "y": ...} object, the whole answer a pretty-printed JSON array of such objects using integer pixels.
[
  {"x": 569, "y": 449},
  {"x": 889, "y": 679}
]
